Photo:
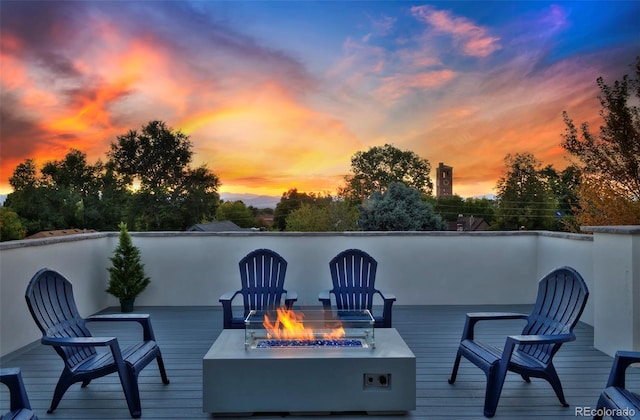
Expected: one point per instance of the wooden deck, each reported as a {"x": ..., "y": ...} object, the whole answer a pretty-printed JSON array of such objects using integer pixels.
[{"x": 432, "y": 332}]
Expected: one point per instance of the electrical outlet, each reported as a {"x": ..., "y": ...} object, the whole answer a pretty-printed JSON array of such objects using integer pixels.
[{"x": 377, "y": 380}]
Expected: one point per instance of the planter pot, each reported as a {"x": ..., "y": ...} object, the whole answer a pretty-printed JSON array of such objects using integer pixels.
[{"x": 126, "y": 305}]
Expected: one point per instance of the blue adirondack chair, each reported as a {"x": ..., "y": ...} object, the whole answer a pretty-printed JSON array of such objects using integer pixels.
[
  {"x": 562, "y": 296},
  {"x": 262, "y": 275},
  {"x": 615, "y": 396},
  {"x": 51, "y": 303},
  {"x": 18, "y": 399},
  {"x": 353, "y": 273}
]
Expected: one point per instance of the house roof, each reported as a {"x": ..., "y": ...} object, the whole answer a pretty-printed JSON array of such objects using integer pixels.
[
  {"x": 469, "y": 223},
  {"x": 61, "y": 232},
  {"x": 224, "y": 226}
]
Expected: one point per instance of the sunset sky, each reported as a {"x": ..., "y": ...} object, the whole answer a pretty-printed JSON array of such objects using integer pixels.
[{"x": 280, "y": 94}]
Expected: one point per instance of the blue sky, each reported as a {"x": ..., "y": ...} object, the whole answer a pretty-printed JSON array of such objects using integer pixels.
[{"x": 280, "y": 94}]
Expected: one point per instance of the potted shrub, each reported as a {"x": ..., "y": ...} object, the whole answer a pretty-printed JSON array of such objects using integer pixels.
[{"x": 126, "y": 274}]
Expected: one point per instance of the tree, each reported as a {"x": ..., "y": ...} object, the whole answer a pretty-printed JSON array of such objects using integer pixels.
[
  {"x": 25, "y": 199},
  {"x": 10, "y": 226},
  {"x": 73, "y": 186},
  {"x": 451, "y": 206},
  {"x": 237, "y": 212},
  {"x": 24, "y": 176},
  {"x": 448, "y": 206},
  {"x": 480, "y": 207},
  {"x": 172, "y": 196},
  {"x": 115, "y": 198},
  {"x": 610, "y": 160},
  {"x": 399, "y": 208},
  {"x": 564, "y": 187},
  {"x": 199, "y": 197},
  {"x": 524, "y": 198},
  {"x": 326, "y": 216},
  {"x": 156, "y": 156},
  {"x": 67, "y": 194},
  {"x": 290, "y": 201},
  {"x": 600, "y": 205},
  {"x": 380, "y": 166}
]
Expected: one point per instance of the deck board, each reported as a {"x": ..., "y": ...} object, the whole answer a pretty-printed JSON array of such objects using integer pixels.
[{"x": 432, "y": 332}]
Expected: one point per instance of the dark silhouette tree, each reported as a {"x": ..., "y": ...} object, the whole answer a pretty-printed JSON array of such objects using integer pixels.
[
  {"x": 67, "y": 194},
  {"x": 171, "y": 195}
]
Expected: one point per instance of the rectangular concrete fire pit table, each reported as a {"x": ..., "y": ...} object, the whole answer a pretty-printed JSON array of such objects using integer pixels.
[{"x": 241, "y": 377}]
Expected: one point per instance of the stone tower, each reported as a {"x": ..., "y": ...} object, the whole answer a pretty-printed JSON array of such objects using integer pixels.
[{"x": 444, "y": 180}]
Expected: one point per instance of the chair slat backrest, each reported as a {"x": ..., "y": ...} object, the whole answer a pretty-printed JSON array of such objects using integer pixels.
[
  {"x": 562, "y": 296},
  {"x": 50, "y": 300},
  {"x": 353, "y": 273},
  {"x": 262, "y": 274}
]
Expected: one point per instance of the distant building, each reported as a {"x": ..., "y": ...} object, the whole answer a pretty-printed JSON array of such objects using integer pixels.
[
  {"x": 468, "y": 224},
  {"x": 444, "y": 180}
]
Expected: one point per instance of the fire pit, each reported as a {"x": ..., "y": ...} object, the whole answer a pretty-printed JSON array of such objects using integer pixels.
[
  {"x": 313, "y": 328},
  {"x": 309, "y": 362}
]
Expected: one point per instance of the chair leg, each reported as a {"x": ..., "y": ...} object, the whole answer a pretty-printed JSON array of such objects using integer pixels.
[
  {"x": 526, "y": 378},
  {"x": 61, "y": 387},
  {"x": 129, "y": 381},
  {"x": 554, "y": 380},
  {"x": 454, "y": 372},
  {"x": 495, "y": 382},
  {"x": 163, "y": 372}
]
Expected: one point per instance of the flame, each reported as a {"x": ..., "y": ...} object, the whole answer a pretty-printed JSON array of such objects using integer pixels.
[{"x": 289, "y": 325}]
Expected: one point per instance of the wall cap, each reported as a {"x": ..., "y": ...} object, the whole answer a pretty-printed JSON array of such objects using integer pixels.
[
  {"x": 88, "y": 236},
  {"x": 621, "y": 230}
]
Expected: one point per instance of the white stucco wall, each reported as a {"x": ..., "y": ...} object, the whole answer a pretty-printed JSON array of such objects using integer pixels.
[
  {"x": 195, "y": 268},
  {"x": 82, "y": 259},
  {"x": 616, "y": 293},
  {"x": 418, "y": 269}
]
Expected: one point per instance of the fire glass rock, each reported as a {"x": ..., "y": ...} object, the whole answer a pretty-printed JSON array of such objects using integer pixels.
[{"x": 266, "y": 344}]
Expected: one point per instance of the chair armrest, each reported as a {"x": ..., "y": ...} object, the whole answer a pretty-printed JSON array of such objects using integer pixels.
[
  {"x": 142, "y": 319},
  {"x": 489, "y": 316},
  {"x": 621, "y": 362},
  {"x": 325, "y": 297},
  {"x": 79, "y": 341},
  {"x": 227, "y": 310},
  {"x": 514, "y": 340},
  {"x": 290, "y": 298},
  {"x": 12, "y": 378},
  {"x": 228, "y": 297},
  {"x": 111, "y": 342},
  {"x": 387, "y": 297},
  {"x": 473, "y": 318},
  {"x": 540, "y": 339},
  {"x": 119, "y": 317}
]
